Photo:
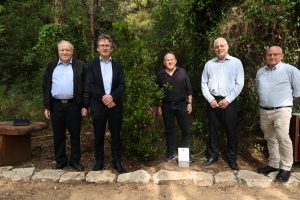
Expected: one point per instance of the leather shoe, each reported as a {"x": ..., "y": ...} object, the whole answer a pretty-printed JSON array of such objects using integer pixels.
[
  {"x": 60, "y": 165},
  {"x": 210, "y": 161},
  {"x": 98, "y": 166},
  {"x": 266, "y": 170},
  {"x": 117, "y": 166},
  {"x": 77, "y": 166},
  {"x": 283, "y": 175},
  {"x": 233, "y": 165}
]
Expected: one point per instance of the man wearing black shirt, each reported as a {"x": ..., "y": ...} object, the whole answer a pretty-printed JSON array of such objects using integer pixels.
[{"x": 177, "y": 102}]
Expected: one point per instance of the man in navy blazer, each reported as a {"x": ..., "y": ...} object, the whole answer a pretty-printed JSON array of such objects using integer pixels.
[{"x": 106, "y": 85}]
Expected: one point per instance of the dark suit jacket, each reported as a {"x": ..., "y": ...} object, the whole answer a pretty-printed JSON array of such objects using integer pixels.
[
  {"x": 80, "y": 91},
  {"x": 96, "y": 87}
]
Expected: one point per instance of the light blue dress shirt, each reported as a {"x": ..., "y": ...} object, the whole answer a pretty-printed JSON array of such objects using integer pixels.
[
  {"x": 222, "y": 78},
  {"x": 62, "y": 81},
  {"x": 106, "y": 70},
  {"x": 277, "y": 86}
]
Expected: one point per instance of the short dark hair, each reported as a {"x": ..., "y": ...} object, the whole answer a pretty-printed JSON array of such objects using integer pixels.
[{"x": 105, "y": 36}]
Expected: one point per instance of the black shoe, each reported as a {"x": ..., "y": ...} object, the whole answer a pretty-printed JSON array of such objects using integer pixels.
[
  {"x": 266, "y": 170},
  {"x": 233, "y": 165},
  {"x": 283, "y": 175},
  {"x": 117, "y": 166},
  {"x": 170, "y": 158},
  {"x": 60, "y": 165},
  {"x": 192, "y": 159},
  {"x": 77, "y": 166},
  {"x": 98, "y": 166},
  {"x": 210, "y": 161}
]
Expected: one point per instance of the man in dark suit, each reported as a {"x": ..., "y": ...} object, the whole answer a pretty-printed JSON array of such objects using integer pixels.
[
  {"x": 65, "y": 101},
  {"x": 106, "y": 85}
]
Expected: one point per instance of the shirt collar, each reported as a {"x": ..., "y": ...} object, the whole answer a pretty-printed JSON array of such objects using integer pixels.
[
  {"x": 101, "y": 60},
  {"x": 60, "y": 62},
  {"x": 228, "y": 57},
  {"x": 274, "y": 68}
]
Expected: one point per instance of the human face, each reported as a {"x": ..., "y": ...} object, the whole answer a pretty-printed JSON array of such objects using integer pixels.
[
  {"x": 221, "y": 48},
  {"x": 274, "y": 56},
  {"x": 170, "y": 62},
  {"x": 65, "y": 52},
  {"x": 104, "y": 48}
]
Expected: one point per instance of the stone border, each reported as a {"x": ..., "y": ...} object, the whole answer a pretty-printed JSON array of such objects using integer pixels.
[{"x": 226, "y": 178}]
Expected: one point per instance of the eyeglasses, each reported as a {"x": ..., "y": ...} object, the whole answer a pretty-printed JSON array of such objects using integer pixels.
[
  {"x": 273, "y": 54},
  {"x": 220, "y": 46},
  {"x": 102, "y": 46}
]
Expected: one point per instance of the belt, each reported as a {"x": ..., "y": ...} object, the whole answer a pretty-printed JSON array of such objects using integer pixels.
[
  {"x": 274, "y": 108},
  {"x": 63, "y": 100}
]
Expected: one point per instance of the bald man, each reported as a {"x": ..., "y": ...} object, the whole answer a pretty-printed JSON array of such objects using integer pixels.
[
  {"x": 222, "y": 81},
  {"x": 65, "y": 101},
  {"x": 277, "y": 84}
]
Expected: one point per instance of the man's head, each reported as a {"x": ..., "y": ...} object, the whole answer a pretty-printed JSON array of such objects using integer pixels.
[
  {"x": 221, "y": 48},
  {"x": 104, "y": 46},
  {"x": 170, "y": 61},
  {"x": 65, "y": 51},
  {"x": 274, "y": 56}
]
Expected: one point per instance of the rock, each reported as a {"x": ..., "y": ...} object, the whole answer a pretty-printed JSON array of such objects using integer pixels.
[
  {"x": 253, "y": 179},
  {"x": 292, "y": 180},
  {"x": 140, "y": 176},
  {"x": 100, "y": 177},
  {"x": 167, "y": 176},
  {"x": 226, "y": 178},
  {"x": 5, "y": 169},
  {"x": 48, "y": 174},
  {"x": 70, "y": 177},
  {"x": 19, "y": 174},
  {"x": 202, "y": 179}
]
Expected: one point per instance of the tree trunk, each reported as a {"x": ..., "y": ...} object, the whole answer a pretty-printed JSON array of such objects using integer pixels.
[
  {"x": 93, "y": 7},
  {"x": 59, "y": 7}
]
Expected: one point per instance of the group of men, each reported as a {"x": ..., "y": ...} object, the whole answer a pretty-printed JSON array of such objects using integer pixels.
[{"x": 70, "y": 88}]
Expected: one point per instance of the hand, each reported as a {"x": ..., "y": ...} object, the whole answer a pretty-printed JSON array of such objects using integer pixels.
[
  {"x": 158, "y": 110},
  {"x": 223, "y": 103},
  {"x": 214, "y": 104},
  {"x": 189, "y": 108},
  {"x": 111, "y": 104},
  {"x": 107, "y": 99},
  {"x": 84, "y": 112},
  {"x": 47, "y": 113}
]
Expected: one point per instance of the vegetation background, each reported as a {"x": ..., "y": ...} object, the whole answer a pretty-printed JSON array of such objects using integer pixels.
[{"x": 143, "y": 31}]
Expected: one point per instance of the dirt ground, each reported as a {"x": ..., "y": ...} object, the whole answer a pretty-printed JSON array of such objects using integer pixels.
[{"x": 42, "y": 158}]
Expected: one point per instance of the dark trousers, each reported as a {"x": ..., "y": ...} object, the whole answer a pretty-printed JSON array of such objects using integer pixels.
[
  {"x": 63, "y": 117},
  {"x": 170, "y": 111},
  {"x": 227, "y": 118},
  {"x": 114, "y": 118}
]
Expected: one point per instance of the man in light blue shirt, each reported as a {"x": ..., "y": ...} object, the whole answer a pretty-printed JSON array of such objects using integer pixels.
[
  {"x": 277, "y": 84},
  {"x": 221, "y": 83}
]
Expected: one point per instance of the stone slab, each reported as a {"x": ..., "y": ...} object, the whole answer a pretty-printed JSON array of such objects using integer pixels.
[
  {"x": 70, "y": 177},
  {"x": 5, "y": 169},
  {"x": 167, "y": 176},
  {"x": 226, "y": 178},
  {"x": 202, "y": 179},
  {"x": 48, "y": 174},
  {"x": 253, "y": 179},
  {"x": 19, "y": 174},
  {"x": 292, "y": 180},
  {"x": 140, "y": 176},
  {"x": 104, "y": 176}
]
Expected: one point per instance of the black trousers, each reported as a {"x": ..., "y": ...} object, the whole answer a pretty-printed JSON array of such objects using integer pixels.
[
  {"x": 65, "y": 116},
  {"x": 227, "y": 118},
  {"x": 170, "y": 111},
  {"x": 114, "y": 118}
]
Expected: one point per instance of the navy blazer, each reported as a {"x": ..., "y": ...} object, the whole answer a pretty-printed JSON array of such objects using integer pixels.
[{"x": 96, "y": 88}]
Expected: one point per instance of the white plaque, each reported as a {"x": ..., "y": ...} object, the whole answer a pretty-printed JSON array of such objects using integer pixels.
[{"x": 183, "y": 157}]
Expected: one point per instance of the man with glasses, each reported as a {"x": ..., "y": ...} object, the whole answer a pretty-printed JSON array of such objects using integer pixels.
[
  {"x": 277, "y": 84},
  {"x": 222, "y": 81},
  {"x": 106, "y": 85}
]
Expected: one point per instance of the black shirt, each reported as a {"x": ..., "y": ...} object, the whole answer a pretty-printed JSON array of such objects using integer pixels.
[{"x": 179, "y": 85}]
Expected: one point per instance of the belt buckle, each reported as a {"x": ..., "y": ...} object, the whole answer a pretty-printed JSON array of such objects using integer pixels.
[{"x": 64, "y": 101}]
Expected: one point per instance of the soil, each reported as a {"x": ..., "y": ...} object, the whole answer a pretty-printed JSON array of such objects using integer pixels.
[{"x": 42, "y": 158}]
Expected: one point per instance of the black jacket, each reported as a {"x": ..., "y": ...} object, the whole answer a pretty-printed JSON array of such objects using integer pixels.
[
  {"x": 96, "y": 87},
  {"x": 80, "y": 91}
]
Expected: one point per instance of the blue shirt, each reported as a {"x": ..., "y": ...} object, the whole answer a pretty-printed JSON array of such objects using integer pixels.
[
  {"x": 222, "y": 78},
  {"x": 277, "y": 86},
  {"x": 62, "y": 81},
  {"x": 106, "y": 70}
]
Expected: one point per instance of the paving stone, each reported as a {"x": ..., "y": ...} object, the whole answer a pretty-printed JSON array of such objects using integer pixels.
[
  {"x": 104, "y": 176},
  {"x": 69, "y": 177},
  {"x": 296, "y": 175},
  {"x": 48, "y": 174},
  {"x": 253, "y": 179},
  {"x": 291, "y": 182},
  {"x": 167, "y": 176},
  {"x": 202, "y": 179},
  {"x": 19, "y": 174},
  {"x": 226, "y": 178},
  {"x": 140, "y": 176},
  {"x": 5, "y": 168}
]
